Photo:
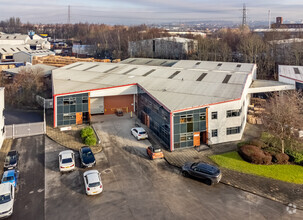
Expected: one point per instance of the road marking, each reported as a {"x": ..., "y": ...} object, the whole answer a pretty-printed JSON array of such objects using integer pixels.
[{"x": 40, "y": 190}]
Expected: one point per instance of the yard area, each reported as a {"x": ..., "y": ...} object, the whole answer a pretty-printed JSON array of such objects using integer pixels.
[{"x": 233, "y": 161}]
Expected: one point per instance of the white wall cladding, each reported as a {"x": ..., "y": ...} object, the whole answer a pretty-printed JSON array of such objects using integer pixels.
[{"x": 123, "y": 90}]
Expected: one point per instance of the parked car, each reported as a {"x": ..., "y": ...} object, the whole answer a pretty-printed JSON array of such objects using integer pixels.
[
  {"x": 7, "y": 196},
  {"x": 87, "y": 157},
  {"x": 139, "y": 133},
  {"x": 204, "y": 171},
  {"x": 66, "y": 161},
  {"x": 10, "y": 176},
  {"x": 154, "y": 152},
  {"x": 92, "y": 182},
  {"x": 11, "y": 160}
]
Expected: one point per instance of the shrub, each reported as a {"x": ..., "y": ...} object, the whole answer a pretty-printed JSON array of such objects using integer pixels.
[
  {"x": 242, "y": 144},
  {"x": 88, "y": 136},
  {"x": 295, "y": 156},
  {"x": 257, "y": 143},
  {"x": 90, "y": 141},
  {"x": 270, "y": 140},
  {"x": 254, "y": 154},
  {"x": 87, "y": 132},
  {"x": 282, "y": 158}
]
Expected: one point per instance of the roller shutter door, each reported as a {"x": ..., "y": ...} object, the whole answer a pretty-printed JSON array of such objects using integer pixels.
[{"x": 97, "y": 105}]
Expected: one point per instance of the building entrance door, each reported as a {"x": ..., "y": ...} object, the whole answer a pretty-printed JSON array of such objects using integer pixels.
[
  {"x": 79, "y": 118},
  {"x": 203, "y": 137},
  {"x": 196, "y": 139}
]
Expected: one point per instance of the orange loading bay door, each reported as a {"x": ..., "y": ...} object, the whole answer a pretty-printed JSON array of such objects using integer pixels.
[{"x": 196, "y": 138}]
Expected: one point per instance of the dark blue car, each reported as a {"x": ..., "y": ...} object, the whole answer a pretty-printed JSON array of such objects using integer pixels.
[
  {"x": 10, "y": 176},
  {"x": 87, "y": 157}
]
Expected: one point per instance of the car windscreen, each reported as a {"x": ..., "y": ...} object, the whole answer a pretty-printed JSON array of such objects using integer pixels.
[
  {"x": 8, "y": 178},
  {"x": 157, "y": 150},
  {"x": 67, "y": 160},
  {"x": 142, "y": 132},
  {"x": 5, "y": 198},
  {"x": 94, "y": 184}
]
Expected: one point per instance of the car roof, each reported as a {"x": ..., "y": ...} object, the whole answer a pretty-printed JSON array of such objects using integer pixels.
[
  {"x": 66, "y": 154},
  {"x": 12, "y": 153},
  {"x": 207, "y": 167},
  {"x": 86, "y": 148},
  {"x": 92, "y": 176},
  {"x": 5, "y": 188},
  {"x": 139, "y": 128},
  {"x": 156, "y": 147},
  {"x": 9, "y": 173}
]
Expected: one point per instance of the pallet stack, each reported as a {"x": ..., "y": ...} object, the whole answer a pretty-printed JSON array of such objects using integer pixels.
[
  {"x": 255, "y": 110},
  {"x": 60, "y": 61}
]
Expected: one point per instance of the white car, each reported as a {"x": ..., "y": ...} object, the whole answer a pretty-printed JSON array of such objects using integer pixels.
[
  {"x": 7, "y": 195},
  {"x": 92, "y": 182},
  {"x": 139, "y": 133},
  {"x": 66, "y": 161}
]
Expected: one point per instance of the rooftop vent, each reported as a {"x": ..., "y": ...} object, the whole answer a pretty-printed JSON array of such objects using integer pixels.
[
  {"x": 128, "y": 71},
  {"x": 239, "y": 65},
  {"x": 198, "y": 63},
  {"x": 227, "y": 78},
  {"x": 201, "y": 77},
  {"x": 12, "y": 49},
  {"x": 25, "y": 48},
  {"x": 90, "y": 67},
  {"x": 149, "y": 62},
  {"x": 149, "y": 72},
  {"x": 18, "y": 48},
  {"x": 174, "y": 74},
  {"x": 107, "y": 71},
  {"x": 219, "y": 64},
  {"x": 297, "y": 71},
  {"x": 74, "y": 66},
  {"x": 132, "y": 61},
  {"x": 4, "y": 50},
  {"x": 163, "y": 63}
]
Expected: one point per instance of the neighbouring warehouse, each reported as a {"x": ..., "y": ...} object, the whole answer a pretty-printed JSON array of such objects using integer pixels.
[{"x": 186, "y": 103}]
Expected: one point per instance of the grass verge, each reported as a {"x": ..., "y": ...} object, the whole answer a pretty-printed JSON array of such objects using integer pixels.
[{"x": 287, "y": 173}]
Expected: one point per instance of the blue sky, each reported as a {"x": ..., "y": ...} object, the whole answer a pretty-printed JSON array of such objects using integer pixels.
[{"x": 147, "y": 11}]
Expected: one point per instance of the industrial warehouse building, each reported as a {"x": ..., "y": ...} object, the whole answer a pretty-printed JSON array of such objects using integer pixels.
[
  {"x": 2, "y": 130},
  {"x": 186, "y": 103},
  {"x": 291, "y": 75},
  {"x": 165, "y": 47}
]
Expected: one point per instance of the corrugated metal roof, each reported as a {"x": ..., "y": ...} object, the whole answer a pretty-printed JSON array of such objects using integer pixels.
[
  {"x": 182, "y": 91},
  {"x": 46, "y": 68},
  {"x": 290, "y": 72},
  {"x": 149, "y": 61},
  {"x": 11, "y": 49},
  {"x": 14, "y": 37}
]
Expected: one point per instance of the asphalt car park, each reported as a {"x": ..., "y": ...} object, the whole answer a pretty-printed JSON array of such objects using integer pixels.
[
  {"x": 29, "y": 196},
  {"x": 135, "y": 187}
]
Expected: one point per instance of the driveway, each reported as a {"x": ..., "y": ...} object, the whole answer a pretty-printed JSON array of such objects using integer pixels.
[
  {"x": 29, "y": 203},
  {"x": 138, "y": 188}
]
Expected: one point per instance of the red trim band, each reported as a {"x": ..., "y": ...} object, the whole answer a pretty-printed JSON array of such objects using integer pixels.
[{"x": 296, "y": 80}]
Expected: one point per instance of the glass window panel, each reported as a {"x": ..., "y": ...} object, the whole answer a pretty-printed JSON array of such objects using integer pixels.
[
  {"x": 190, "y": 143},
  {"x": 59, "y": 123},
  {"x": 66, "y": 122},
  {"x": 183, "y": 144},
  {"x": 59, "y": 109},
  {"x": 196, "y": 126},
  {"x": 182, "y": 137},
  {"x": 177, "y": 145},
  {"x": 183, "y": 128},
  {"x": 85, "y": 108},
  {"x": 177, "y": 129},
  {"x": 189, "y": 118},
  {"x": 66, "y": 109},
  {"x": 73, "y": 108},
  {"x": 176, "y": 119},
  {"x": 59, "y": 117},
  {"x": 190, "y": 127},
  {"x": 214, "y": 115},
  {"x": 59, "y": 101},
  {"x": 183, "y": 119},
  {"x": 176, "y": 138},
  {"x": 79, "y": 108},
  {"x": 202, "y": 116}
]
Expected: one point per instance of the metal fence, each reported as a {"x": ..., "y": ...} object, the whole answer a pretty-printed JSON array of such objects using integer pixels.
[{"x": 24, "y": 130}]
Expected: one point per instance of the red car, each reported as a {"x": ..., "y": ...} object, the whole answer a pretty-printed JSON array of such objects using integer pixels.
[{"x": 154, "y": 152}]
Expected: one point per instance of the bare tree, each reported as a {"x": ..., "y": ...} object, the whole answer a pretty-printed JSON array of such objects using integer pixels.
[{"x": 283, "y": 118}]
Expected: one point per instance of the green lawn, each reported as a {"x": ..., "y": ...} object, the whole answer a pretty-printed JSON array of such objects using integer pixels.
[{"x": 287, "y": 173}]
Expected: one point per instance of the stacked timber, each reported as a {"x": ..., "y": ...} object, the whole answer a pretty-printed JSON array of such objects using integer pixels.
[
  {"x": 60, "y": 61},
  {"x": 255, "y": 111}
]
